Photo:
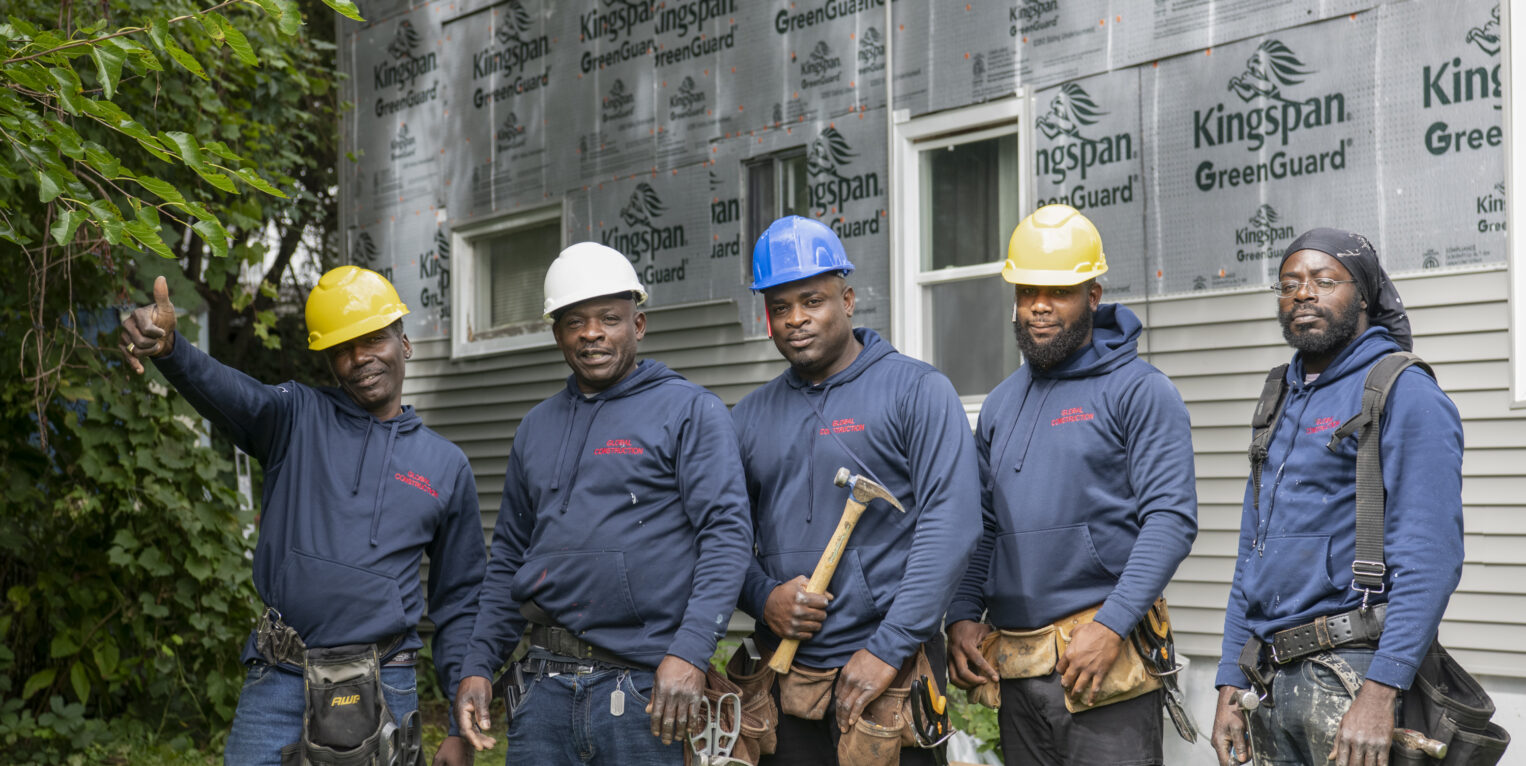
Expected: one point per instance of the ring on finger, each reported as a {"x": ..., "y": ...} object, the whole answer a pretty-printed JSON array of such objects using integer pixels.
[{"x": 130, "y": 348}]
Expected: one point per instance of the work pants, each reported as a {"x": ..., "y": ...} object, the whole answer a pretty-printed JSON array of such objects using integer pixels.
[
  {"x": 566, "y": 719},
  {"x": 1037, "y": 730},
  {"x": 270, "y": 708},
  {"x": 1308, "y": 702}
]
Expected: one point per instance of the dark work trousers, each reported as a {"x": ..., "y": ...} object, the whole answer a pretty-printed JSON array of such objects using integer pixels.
[
  {"x": 1309, "y": 704},
  {"x": 815, "y": 742},
  {"x": 1037, "y": 730}
]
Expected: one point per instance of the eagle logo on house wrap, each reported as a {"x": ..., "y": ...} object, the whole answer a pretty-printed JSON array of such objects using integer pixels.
[
  {"x": 1272, "y": 66},
  {"x": 1074, "y": 153},
  {"x": 515, "y": 26},
  {"x": 645, "y": 236},
  {"x": 404, "y": 42},
  {"x": 1487, "y": 37},
  {"x": 830, "y": 189}
]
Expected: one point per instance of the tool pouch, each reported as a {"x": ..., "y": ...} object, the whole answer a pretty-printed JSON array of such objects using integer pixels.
[
  {"x": 886, "y": 725},
  {"x": 760, "y": 714},
  {"x": 806, "y": 692},
  {"x": 756, "y": 736},
  {"x": 1126, "y": 679},
  {"x": 347, "y": 722}
]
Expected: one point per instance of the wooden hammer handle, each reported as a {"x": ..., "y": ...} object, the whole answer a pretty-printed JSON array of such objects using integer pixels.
[{"x": 784, "y": 656}]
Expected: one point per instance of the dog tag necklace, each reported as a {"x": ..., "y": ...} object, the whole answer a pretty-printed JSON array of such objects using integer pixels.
[{"x": 617, "y": 703}]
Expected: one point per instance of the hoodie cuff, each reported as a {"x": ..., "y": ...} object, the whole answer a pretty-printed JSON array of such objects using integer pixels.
[
  {"x": 1117, "y": 617},
  {"x": 1230, "y": 675},
  {"x": 693, "y": 648},
  {"x": 175, "y": 358},
  {"x": 892, "y": 645},
  {"x": 475, "y": 665},
  {"x": 754, "y": 596},
  {"x": 964, "y": 609},
  {"x": 1391, "y": 671}
]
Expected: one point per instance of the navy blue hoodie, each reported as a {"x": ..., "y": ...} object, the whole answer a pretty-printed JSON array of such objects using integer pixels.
[
  {"x": 1295, "y": 553},
  {"x": 1088, "y": 487},
  {"x": 903, "y": 418},
  {"x": 624, "y": 518},
  {"x": 350, "y": 506}
]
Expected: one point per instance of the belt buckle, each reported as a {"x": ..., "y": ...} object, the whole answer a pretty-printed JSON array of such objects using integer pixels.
[{"x": 585, "y": 669}]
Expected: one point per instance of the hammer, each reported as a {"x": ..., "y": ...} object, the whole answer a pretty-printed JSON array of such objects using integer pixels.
[{"x": 864, "y": 490}]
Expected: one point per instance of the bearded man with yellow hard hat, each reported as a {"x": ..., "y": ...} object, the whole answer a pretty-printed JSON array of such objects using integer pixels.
[
  {"x": 356, "y": 491},
  {"x": 1090, "y": 505}
]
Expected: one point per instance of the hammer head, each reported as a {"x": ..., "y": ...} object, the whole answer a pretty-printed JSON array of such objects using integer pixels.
[{"x": 864, "y": 489}]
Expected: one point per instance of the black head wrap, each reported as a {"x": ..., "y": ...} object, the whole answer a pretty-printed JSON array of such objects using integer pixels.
[{"x": 1384, "y": 307}]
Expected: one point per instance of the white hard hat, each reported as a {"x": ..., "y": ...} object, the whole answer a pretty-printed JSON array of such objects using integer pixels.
[{"x": 589, "y": 270}]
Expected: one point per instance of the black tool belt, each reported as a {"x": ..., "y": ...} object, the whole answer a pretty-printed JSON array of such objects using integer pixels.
[
  {"x": 1358, "y": 627},
  {"x": 554, "y": 639},
  {"x": 280, "y": 644}
]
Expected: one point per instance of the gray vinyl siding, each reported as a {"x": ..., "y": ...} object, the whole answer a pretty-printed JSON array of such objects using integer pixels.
[{"x": 1217, "y": 350}]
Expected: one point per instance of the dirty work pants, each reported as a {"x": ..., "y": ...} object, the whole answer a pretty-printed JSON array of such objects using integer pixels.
[
  {"x": 1037, "y": 730},
  {"x": 1308, "y": 702},
  {"x": 566, "y": 719},
  {"x": 270, "y": 707}
]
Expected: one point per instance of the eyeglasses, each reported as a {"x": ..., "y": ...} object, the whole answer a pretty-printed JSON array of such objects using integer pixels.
[{"x": 1319, "y": 286}]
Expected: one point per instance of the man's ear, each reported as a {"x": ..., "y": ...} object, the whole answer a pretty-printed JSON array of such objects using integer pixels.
[
  {"x": 640, "y": 320},
  {"x": 1094, "y": 295},
  {"x": 407, "y": 347},
  {"x": 849, "y": 300}
]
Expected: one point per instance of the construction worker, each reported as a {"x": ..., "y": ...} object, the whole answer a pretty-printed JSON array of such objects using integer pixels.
[
  {"x": 356, "y": 491},
  {"x": 621, "y": 532},
  {"x": 1299, "y": 617},
  {"x": 848, "y": 399},
  {"x": 1086, "y": 458}
]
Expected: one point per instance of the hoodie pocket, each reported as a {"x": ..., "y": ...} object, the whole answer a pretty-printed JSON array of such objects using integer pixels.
[
  {"x": 322, "y": 597},
  {"x": 852, "y": 600},
  {"x": 1292, "y": 575},
  {"x": 1038, "y": 575},
  {"x": 582, "y": 589}
]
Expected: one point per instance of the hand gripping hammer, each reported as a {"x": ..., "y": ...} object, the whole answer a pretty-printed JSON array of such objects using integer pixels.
[{"x": 863, "y": 491}]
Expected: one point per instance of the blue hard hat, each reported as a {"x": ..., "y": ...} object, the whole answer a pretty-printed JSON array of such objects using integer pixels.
[{"x": 796, "y": 248}]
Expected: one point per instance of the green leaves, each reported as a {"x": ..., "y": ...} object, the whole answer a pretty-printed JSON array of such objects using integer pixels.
[
  {"x": 345, "y": 8},
  {"x": 40, "y": 680},
  {"x": 108, "y": 65}
]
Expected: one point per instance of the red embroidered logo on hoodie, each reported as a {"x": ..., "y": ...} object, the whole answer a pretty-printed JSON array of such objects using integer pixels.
[
  {"x": 842, "y": 426},
  {"x": 1323, "y": 424},
  {"x": 414, "y": 480},
  {"x": 618, "y": 447},
  {"x": 1072, "y": 415}
]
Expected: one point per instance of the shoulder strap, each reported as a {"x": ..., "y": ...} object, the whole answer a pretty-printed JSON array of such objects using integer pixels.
[
  {"x": 1262, "y": 423},
  {"x": 1368, "y": 567}
]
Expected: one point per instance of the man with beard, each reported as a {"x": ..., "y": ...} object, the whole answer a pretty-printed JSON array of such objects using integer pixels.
[
  {"x": 1089, "y": 502},
  {"x": 1294, "y": 575},
  {"x": 356, "y": 490},
  {"x": 621, "y": 532},
  {"x": 849, "y": 400}
]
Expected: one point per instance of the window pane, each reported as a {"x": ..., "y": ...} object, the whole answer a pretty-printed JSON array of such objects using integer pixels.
[
  {"x": 971, "y": 332},
  {"x": 516, "y": 270},
  {"x": 761, "y": 206},
  {"x": 969, "y": 202},
  {"x": 794, "y": 192}
]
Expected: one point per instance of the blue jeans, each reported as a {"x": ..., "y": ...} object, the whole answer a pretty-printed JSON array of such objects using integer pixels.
[
  {"x": 1308, "y": 703},
  {"x": 270, "y": 708},
  {"x": 566, "y": 719}
]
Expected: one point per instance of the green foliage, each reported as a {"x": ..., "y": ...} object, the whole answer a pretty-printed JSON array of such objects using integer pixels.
[
  {"x": 976, "y": 720},
  {"x": 133, "y": 132}
]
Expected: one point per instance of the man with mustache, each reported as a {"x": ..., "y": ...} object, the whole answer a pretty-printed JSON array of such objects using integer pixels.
[
  {"x": 356, "y": 491},
  {"x": 621, "y": 532},
  {"x": 1090, "y": 505},
  {"x": 1295, "y": 572},
  {"x": 849, "y": 400}
]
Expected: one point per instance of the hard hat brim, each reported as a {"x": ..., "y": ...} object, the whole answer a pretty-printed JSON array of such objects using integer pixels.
[
  {"x": 784, "y": 279},
  {"x": 576, "y": 299},
  {"x": 369, "y": 324},
  {"x": 1049, "y": 277}
]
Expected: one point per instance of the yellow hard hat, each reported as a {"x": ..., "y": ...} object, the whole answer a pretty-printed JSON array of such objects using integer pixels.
[
  {"x": 1055, "y": 246},
  {"x": 349, "y": 302}
]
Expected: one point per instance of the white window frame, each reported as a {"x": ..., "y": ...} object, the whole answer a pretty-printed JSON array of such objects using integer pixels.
[
  {"x": 909, "y": 326},
  {"x": 1514, "y": 25},
  {"x": 468, "y": 270}
]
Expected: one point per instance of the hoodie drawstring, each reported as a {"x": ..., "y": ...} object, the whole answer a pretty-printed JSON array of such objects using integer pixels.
[
  {"x": 577, "y": 457},
  {"x": 381, "y": 479},
  {"x": 561, "y": 456},
  {"x": 360, "y": 461}
]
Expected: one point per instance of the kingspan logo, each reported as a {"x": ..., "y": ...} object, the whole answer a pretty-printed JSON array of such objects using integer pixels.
[
  {"x": 830, "y": 188},
  {"x": 515, "y": 47},
  {"x": 616, "y": 18},
  {"x": 871, "y": 52},
  {"x": 406, "y": 64},
  {"x": 1262, "y": 235},
  {"x": 645, "y": 236},
  {"x": 1451, "y": 83},
  {"x": 1071, "y": 113},
  {"x": 1029, "y": 16},
  {"x": 618, "y": 103},
  {"x": 403, "y": 144},
  {"x": 434, "y": 264},
  {"x": 510, "y": 135},
  {"x": 821, "y": 67},
  {"x": 687, "y": 102},
  {"x": 1274, "y": 117}
]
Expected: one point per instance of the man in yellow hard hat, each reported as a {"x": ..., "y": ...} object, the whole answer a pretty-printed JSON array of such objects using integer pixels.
[
  {"x": 1089, "y": 507},
  {"x": 356, "y": 491}
]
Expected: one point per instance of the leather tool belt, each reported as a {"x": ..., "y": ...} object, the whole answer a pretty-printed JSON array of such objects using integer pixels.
[
  {"x": 1356, "y": 627},
  {"x": 557, "y": 640}
]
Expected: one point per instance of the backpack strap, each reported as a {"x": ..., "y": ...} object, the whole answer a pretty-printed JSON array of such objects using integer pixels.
[
  {"x": 1262, "y": 424},
  {"x": 1368, "y": 567}
]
